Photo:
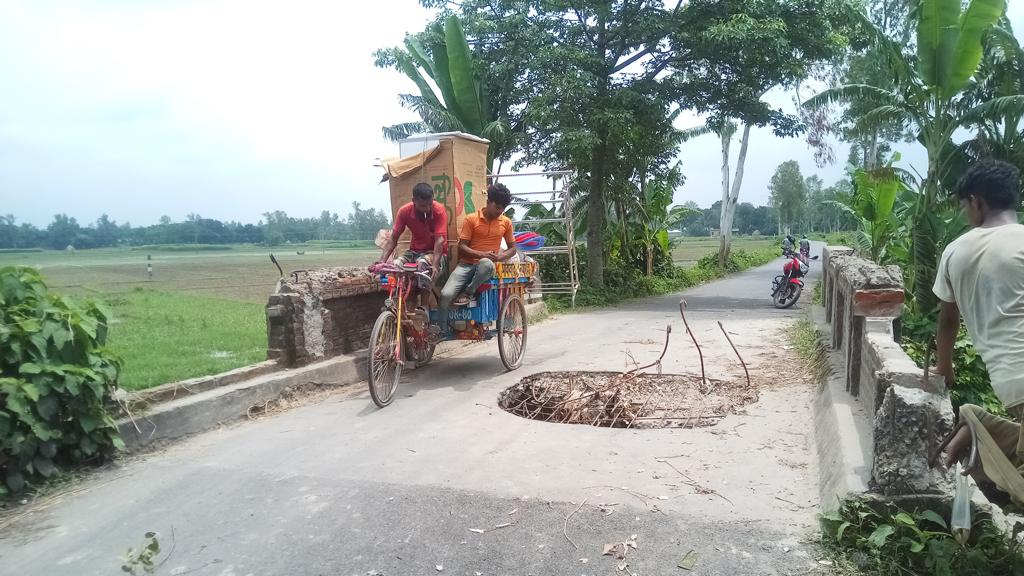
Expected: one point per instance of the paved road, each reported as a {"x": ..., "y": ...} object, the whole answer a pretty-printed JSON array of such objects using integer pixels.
[{"x": 339, "y": 487}]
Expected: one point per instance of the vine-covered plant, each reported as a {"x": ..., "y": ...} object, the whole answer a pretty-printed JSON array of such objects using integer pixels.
[{"x": 56, "y": 378}]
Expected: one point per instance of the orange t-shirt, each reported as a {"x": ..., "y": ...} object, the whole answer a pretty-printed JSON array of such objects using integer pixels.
[{"x": 485, "y": 235}]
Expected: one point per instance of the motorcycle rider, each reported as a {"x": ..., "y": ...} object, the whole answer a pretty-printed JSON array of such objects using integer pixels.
[
  {"x": 805, "y": 246},
  {"x": 787, "y": 244}
]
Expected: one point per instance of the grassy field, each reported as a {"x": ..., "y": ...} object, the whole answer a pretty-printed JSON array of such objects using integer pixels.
[
  {"x": 245, "y": 273},
  {"x": 165, "y": 337},
  {"x": 202, "y": 312},
  {"x": 689, "y": 250}
]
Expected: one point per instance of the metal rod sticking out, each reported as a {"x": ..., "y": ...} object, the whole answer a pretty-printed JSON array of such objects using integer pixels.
[
  {"x": 745, "y": 371},
  {"x": 668, "y": 333},
  {"x": 682, "y": 308}
]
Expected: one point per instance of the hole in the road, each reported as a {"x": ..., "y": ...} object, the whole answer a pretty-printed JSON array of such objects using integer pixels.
[{"x": 617, "y": 400}]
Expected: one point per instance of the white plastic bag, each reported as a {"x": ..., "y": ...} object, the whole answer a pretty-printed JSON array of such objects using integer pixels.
[{"x": 960, "y": 523}]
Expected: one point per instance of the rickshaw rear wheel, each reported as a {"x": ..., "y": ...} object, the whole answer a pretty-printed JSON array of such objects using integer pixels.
[
  {"x": 382, "y": 366},
  {"x": 512, "y": 332}
]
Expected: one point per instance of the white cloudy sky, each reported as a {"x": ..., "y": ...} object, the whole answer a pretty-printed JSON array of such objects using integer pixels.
[{"x": 231, "y": 108}]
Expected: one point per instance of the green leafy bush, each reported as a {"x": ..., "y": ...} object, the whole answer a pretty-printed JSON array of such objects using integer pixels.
[
  {"x": 55, "y": 378},
  {"x": 890, "y": 541},
  {"x": 740, "y": 259}
]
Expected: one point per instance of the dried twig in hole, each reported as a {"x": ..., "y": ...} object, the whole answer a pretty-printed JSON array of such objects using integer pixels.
[
  {"x": 700, "y": 488},
  {"x": 565, "y": 526}
]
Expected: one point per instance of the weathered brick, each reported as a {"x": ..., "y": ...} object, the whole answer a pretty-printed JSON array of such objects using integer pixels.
[
  {"x": 887, "y": 302},
  {"x": 322, "y": 313}
]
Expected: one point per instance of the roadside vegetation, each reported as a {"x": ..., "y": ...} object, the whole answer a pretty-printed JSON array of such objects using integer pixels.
[
  {"x": 56, "y": 380},
  {"x": 907, "y": 218},
  {"x": 884, "y": 540}
]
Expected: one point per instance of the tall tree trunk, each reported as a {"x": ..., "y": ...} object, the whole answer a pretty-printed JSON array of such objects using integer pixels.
[
  {"x": 725, "y": 135},
  {"x": 730, "y": 195},
  {"x": 595, "y": 216},
  {"x": 873, "y": 152}
]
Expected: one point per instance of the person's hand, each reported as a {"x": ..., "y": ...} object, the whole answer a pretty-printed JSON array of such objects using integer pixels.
[
  {"x": 435, "y": 272},
  {"x": 492, "y": 256}
]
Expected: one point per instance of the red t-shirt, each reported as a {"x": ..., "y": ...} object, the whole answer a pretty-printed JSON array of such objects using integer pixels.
[{"x": 425, "y": 228}]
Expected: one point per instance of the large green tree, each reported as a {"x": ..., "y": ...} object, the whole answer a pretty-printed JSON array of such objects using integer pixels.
[
  {"x": 872, "y": 65},
  {"x": 591, "y": 69},
  {"x": 62, "y": 232},
  {"x": 733, "y": 52},
  {"x": 788, "y": 194}
]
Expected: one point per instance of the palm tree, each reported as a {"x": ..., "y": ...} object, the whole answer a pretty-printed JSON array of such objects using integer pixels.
[
  {"x": 462, "y": 104},
  {"x": 931, "y": 97}
]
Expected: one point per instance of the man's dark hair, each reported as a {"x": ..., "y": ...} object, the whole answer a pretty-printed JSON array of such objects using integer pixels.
[
  {"x": 499, "y": 194},
  {"x": 423, "y": 191},
  {"x": 995, "y": 181}
]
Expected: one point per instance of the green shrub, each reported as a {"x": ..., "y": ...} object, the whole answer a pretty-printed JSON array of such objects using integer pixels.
[
  {"x": 889, "y": 541},
  {"x": 55, "y": 377},
  {"x": 740, "y": 259},
  {"x": 848, "y": 239}
]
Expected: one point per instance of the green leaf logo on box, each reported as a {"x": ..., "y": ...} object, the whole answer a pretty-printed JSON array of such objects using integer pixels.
[{"x": 463, "y": 194}]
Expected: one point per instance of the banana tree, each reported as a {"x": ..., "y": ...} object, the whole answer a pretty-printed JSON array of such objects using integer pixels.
[
  {"x": 461, "y": 101},
  {"x": 930, "y": 98},
  {"x": 873, "y": 204},
  {"x": 1000, "y": 126}
]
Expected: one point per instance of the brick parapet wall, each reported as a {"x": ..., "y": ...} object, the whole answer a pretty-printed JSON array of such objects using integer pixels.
[{"x": 317, "y": 314}]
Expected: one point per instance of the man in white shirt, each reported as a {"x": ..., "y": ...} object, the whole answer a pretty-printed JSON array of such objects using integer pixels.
[{"x": 981, "y": 278}]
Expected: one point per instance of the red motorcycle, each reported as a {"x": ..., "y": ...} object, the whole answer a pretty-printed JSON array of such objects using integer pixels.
[{"x": 786, "y": 289}]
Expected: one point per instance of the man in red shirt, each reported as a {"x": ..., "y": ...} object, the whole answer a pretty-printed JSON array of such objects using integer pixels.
[{"x": 428, "y": 223}]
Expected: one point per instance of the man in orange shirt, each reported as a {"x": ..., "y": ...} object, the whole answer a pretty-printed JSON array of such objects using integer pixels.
[{"x": 479, "y": 248}]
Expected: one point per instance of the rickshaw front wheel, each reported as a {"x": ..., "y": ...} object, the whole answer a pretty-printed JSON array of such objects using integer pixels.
[
  {"x": 512, "y": 332},
  {"x": 382, "y": 366}
]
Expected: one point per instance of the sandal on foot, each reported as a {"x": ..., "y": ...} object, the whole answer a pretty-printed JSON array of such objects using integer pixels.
[{"x": 461, "y": 300}]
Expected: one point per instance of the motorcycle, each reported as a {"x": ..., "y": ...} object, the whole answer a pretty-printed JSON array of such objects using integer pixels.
[{"x": 786, "y": 289}]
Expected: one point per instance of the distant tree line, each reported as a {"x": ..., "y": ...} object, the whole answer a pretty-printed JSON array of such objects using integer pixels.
[
  {"x": 798, "y": 205},
  {"x": 275, "y": 228}
]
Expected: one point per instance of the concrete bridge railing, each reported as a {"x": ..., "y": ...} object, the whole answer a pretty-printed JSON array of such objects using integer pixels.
[{"x": 909, "y": 412}]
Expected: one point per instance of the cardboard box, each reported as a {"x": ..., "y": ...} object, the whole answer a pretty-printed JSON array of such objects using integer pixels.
[{"x": 454, "y": 164}]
